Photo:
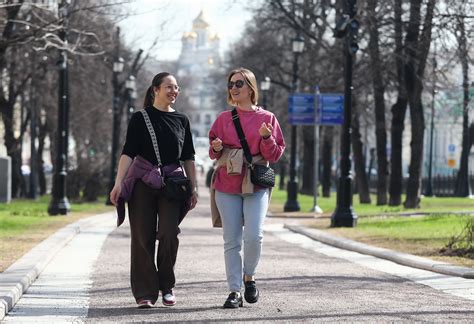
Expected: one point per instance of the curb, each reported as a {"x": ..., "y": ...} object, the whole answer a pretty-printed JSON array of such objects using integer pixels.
[
  {"x": 397, "y": 257},
  {"x": 17, "y": 278},
  {"x": 296, "y": 215}
]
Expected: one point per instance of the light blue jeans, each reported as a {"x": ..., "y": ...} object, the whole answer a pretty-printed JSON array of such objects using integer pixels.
[{"x": 237, "y": 210}]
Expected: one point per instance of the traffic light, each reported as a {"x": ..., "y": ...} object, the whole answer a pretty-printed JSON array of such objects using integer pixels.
[
  {"x": 353, "y": 31},
  {"x": 341, "y": 26}
]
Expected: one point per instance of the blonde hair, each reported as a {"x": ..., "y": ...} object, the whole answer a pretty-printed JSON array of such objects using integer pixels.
[{"x": 251, "y": 81}]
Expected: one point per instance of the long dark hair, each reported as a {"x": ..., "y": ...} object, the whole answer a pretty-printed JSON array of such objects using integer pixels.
[{"x": 156, "y": 82}]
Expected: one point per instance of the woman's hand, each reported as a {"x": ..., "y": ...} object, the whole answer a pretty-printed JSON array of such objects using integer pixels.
[
  {"x": 194, "y": 199},
  {"x": 217, "y": 144},
  {"x": 265, "y": 130},
  {"x": 115, "y": 193}
]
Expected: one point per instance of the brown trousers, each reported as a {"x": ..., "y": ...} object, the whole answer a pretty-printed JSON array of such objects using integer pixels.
[{"x": 145, "y": 204}]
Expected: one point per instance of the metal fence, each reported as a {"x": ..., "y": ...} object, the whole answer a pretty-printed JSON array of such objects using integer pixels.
[{"x": 442, "y": 185}]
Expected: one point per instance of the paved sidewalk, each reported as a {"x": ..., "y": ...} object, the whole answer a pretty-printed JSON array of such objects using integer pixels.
[
  {"x": 397, "y": 257},
  {"x": 21, "y": 275}
]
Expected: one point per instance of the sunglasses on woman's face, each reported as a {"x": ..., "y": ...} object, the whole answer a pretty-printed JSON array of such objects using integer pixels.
[{"x": 238, "y": 84}]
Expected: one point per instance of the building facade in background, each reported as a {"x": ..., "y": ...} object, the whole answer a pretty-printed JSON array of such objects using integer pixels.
[{"x": 198, "y": 62}]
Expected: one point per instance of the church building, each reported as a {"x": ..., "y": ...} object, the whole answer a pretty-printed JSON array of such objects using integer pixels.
[{"x": 198, "y": 61}]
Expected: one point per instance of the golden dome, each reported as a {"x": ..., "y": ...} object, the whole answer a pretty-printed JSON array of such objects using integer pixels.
[
  {"x": 200, "y": 21},
  {"x": 189, "y": 35},
  {"x": 214, "y": 37}
]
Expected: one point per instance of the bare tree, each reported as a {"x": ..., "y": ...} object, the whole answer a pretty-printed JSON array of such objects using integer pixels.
[
  {"x": 463, "y": 188},
  {"x": 359, "y": 161},
  {"x": 398, "y": 111},
  {"x": 29, "y": 27},
  {"x": 11, "y": 88},
  {"x": 417, "y": 45},
  {"x": 378, "y": 84}
]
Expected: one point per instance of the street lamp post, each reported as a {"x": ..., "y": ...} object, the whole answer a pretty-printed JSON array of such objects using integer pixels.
[
  {"x": 117, "y": 69},
  {"x": 130, "y": 85},
  {"x": 292, "y": 187},
  {"x": 265, "y": 86},
  {"x": 59, "y": 204},
  {"x": 347, "y": 28},
  {"x": 429, "y": 184},
  {"x": 316, "y": 208},
  {"x": 33, "y": 194}
]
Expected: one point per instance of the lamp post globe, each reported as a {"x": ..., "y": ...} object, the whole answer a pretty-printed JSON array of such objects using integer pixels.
[
  {"x": 131, "y": 87},
  {"x": 297, "y": 45},
  {"x": 118, "y": 65},
  {"x": 265, "y": 86},
  {"x": 130, "y": 83}
]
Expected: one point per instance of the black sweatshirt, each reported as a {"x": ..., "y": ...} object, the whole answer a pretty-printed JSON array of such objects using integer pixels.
[{"x": 173, "y": 133}]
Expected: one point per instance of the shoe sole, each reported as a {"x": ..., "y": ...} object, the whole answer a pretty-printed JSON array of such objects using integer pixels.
[
  {"x": 251, "y": 301},
  {"x": 145, "y": 306},
  {"x": 241, "y": 304},
  {"x": 169, "y": 304}
]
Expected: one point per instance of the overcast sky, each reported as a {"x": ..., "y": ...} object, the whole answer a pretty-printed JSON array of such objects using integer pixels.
[{"x": 170, "y": 19}]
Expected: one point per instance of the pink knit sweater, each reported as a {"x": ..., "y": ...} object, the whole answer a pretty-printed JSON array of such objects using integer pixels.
[{"x": 271, "y": 148}]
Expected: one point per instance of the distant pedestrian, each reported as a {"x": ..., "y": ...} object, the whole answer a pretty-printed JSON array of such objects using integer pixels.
[
  {"x": 140, "y": 182},
  {"x": 242, "y": 206},
  {"x": 209, "y": 175}
]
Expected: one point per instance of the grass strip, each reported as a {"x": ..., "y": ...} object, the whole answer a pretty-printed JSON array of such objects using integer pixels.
[
  {"x": 423, "y": 231},
  {"x": 25, "y": 223}
]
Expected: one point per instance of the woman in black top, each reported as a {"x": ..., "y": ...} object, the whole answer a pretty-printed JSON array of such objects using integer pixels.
[{"x": 175, "y": 144}]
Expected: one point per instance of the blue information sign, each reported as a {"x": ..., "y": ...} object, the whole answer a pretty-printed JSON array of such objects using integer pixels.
[
  {"x": 301, "y": 109},
  {"x": 330, "y": 109}
]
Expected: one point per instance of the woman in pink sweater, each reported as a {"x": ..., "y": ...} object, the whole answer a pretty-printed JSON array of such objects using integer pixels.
[{"x": 236, "y": 203}]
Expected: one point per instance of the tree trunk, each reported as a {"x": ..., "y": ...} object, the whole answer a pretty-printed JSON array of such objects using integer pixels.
[
  {"x": 379, "y": 91},
  {"x": 43, "y": 130},
  {"x": 359, "y": 161},
  {"x": 471, "y": 133},
  {"x": 12, "y": 145},
  {"x": 398, "y": 114},
  {"x": 326, "y": 157},
  {"x": 396, "y": 175},
  {"x": 463, "y": 188},
  {"x": 416, "y": 145},
  {"x": 7, "y": 103},
  {"x": 416, "y": 48}
]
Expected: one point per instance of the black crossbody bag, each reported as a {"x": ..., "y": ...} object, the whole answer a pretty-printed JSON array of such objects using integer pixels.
[
  {"x": 176, "y": 187},
  {"x": 260, "y": 175}
]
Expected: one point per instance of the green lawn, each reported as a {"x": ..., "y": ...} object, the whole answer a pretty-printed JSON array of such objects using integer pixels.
[
  {"x": 393, "y": 228},
  {"x": 417, "y": 229},
  {"x": 24, "y": 223},
  {"x": 328, "y": 205},
  {"x": 22, "y": 214}
]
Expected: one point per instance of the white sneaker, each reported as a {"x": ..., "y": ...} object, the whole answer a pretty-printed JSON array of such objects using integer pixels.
[{"x": 168, "y": 298}]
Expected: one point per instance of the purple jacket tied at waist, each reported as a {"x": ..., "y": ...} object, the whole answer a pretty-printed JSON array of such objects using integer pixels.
[{"x": 142, "y": 169}]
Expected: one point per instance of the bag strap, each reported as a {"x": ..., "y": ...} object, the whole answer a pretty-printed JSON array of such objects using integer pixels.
[
  {"x": 152, "y": 135},
  {"x": 240, "y": 133}
]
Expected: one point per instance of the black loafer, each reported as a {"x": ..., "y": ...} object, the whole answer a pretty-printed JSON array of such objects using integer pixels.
[
  {"x": 234, "y": 301},
  {"x": 251, "y": 292}
]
